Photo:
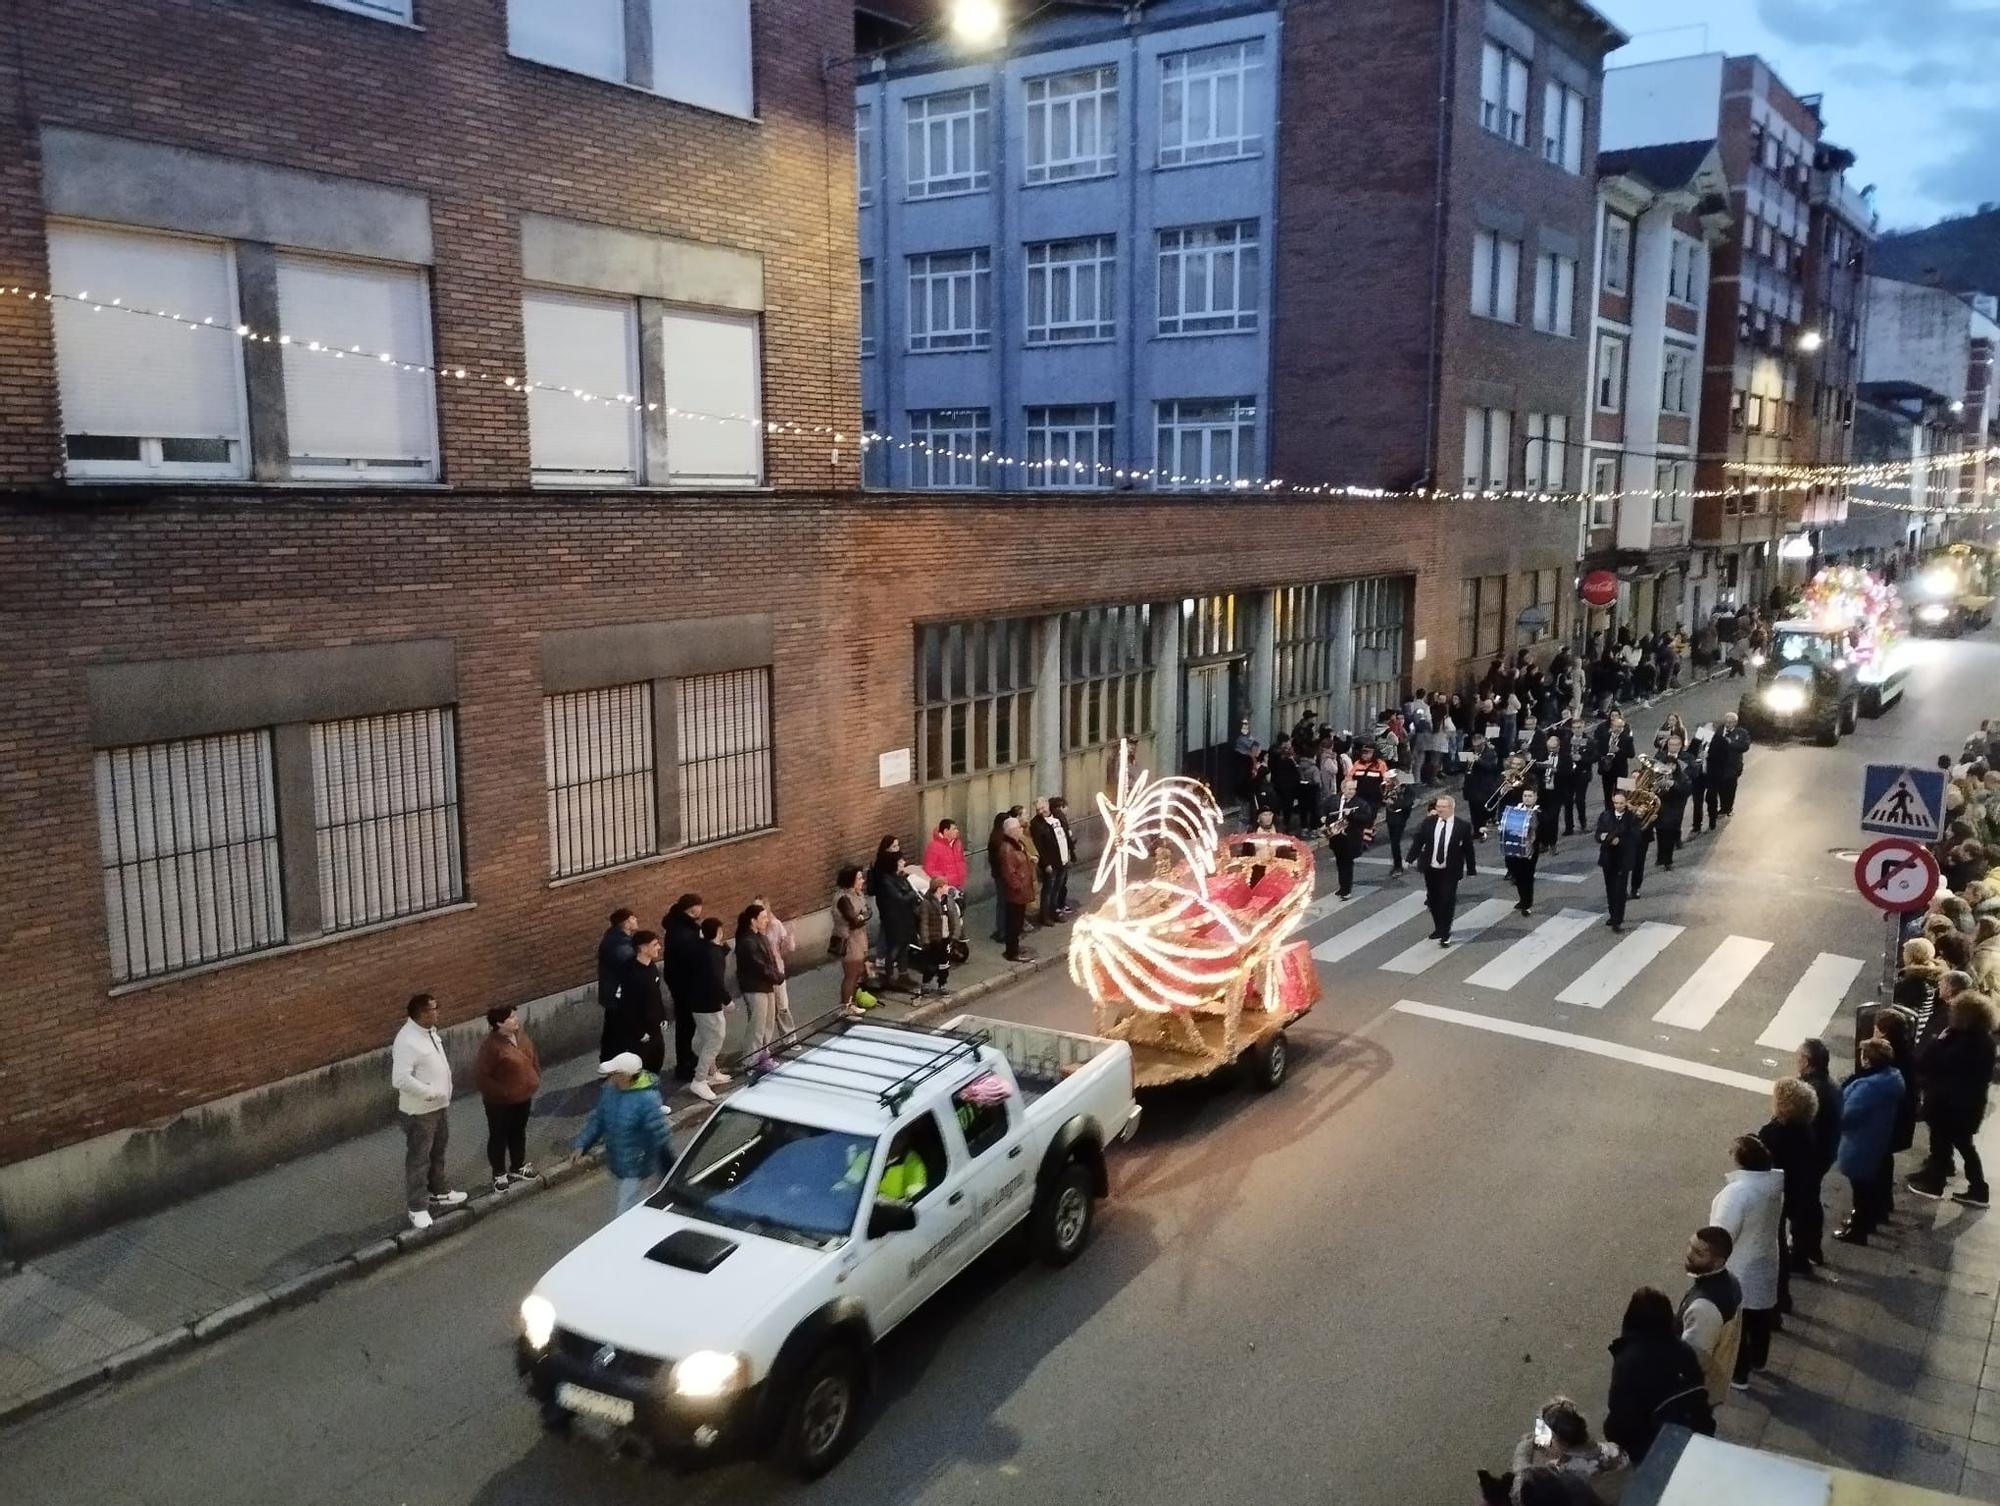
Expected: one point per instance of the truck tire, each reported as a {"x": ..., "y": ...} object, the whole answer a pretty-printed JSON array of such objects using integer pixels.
[
  {"x": 822, "y": 1417},
  {"x": 1063, "y": 1218},
  {"x": 1829, "y": 735},
  {"x": 1850, "y": 716},
  {"x": 1872, "y": 704},
  {"x": 1268, "y": 1061}
]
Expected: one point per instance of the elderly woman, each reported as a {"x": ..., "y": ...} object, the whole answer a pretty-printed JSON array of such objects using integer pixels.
[{"x": 1751, "y": 1207}]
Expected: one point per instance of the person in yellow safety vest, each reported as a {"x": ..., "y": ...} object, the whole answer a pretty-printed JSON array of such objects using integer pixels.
[{"x": 904, "y": 1180}]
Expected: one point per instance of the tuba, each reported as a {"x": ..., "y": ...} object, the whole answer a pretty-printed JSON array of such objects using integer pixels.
[{"x": 1642, "y": 800}]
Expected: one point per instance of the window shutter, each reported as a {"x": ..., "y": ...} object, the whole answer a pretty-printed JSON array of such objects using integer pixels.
[
  {"x": 709, "y": 364},
  {"x": 1573, "y": 130},
  {"x": 701, "y": 53},
  {"x": 598, "y": 745},
  {"x": 126, "y": 374},
  {"x": 590, "y": 344},
  {"x": 725, "y": 754},
  {"x": 1499, "y": 447},
  {"x": 1507, "y": 282},
  {"x": 1482, "y": 272},
  {"x": 1475, "y": 448},
  {"x": 385, "y": 816},
  {"x": 584, "y": 36},
  {"x": 346, "y": 412}
]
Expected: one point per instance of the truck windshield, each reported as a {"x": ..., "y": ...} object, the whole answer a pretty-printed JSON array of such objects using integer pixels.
[
  {"x": 768, "y": 1176},
  {"x": 1807, "y": 648}
]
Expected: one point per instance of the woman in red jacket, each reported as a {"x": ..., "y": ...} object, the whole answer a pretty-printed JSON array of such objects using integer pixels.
[
  {"x": 944, "y": 855},
  {"x": 507, "y": 1073}
]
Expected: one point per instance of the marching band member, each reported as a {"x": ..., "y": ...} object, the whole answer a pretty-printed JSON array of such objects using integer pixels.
[
  {"x": 1615, "y": 752},
  {"x": 1673, "y": 787},
  {"x": 1520, "y": 844},
  {"x": 1617, "y": 840},
  {"x": 1550, "y": 777},
  {"x": 1350, "y": 827}
]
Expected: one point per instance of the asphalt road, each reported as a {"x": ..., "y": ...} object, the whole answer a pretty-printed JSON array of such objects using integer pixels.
[{"x": 1354, "y": 1289}]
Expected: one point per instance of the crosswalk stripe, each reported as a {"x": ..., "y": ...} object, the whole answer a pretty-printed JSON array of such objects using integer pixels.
[
  {"x": 1545, "y": 876},
  {"x": 1428, "y": 954},
  {"x": 1326, "y": 904},
  {"x": 1351, "y": 940},
  {"x": 1812, "y": 1001},
  {"x": 1619, "y": 966},
  {"x": 1701, "y": 998},
  {"x": 1533, "y": 949},
  {"x": 1659, "y": 1061}
]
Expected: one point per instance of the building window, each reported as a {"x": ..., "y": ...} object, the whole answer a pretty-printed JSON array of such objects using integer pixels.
[
  {"x": 1482, "y": 614},
  {"x": 1663, "y": 491},
  {"x": 949, "y": 146},
  {"x": 1381, "y": 608},
  {"x": 1306, "y": 627},
  {"x": 867, "y": 306},
  {"x": 1603, "y": 490},
  {"x": 385, "y": 816},
  {"x": 1562, "y": 127},
  {"x": 698, "y": 51},
  {"x": 1209, "y": 106},
  {"x": 145, "y": 397},
  {"x": 578, "y": 344},
  {"x": 1210, "y": 279},
  {"x": 1684, "y": 271},
  {"x": 1489, "y": 443},
  {"x": 1503, "y": 93},
  {"x": 723, "y": 754},
  {"x": 1617, "y": 253},
  {"x": 1555, "y": 294},
  {"x": 1753, "y": 413},
  {"x": 1069, "y": 448},
  {"x": 1496, "y": 276},
  {"x": 188, "y": 840},
  {"x": 975, "y": 697},
  {"x": 1737, "y": 407},
  {"x": 1683, "y": 488},
  {"x": 1676, "y": 367},
  {"x": 356, "y": 417},
  {"x": 710, "y": 364},
  {"x": 1107, "y": 657},
  {"x": 1072, "y": 290},
  {"x": 1072, "y": 125},
  {"x": 1543, "y": 588},
  {"x": 864, "y": 155},
  {"x": 951, "y": 300},
  {"x": 1200, "y": 444},
  {"x": 874, "y": 454},
  {"x": 949, "y": 447},
  {"x": 602, "y": 786},
  {"x": 389, "y": 10},
  {"x": 1610, "y": 373},
  {"x": 1547, "y": 451}
]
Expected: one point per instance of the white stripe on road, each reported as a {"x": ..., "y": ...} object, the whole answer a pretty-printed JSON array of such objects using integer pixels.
[
  {"x": 1326, "y": 904},
  {"x": 1619, "y": 966},
  {"x": 1584, "y": 1043},
  {"x": 1701, "y": 998},
  {"x": 1428, "y": 954},
  {"x": 1533, "y": 949},
  {"x": 1812, "y": 1001},
  {"x": 1553, "y": 878},
  {"x": 1374, "y": 928}
]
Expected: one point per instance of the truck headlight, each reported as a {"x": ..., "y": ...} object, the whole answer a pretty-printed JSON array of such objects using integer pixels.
[
  {"x": 1784, "y": 697},
  {"x": 538, "y": 1321},
  {"x": 1933, "y": 612},
  {"x": 1757, "y": 660},
  {"x": 708, "y": 1373}
]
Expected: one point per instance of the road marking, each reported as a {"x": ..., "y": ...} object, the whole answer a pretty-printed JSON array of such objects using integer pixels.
[
  {"x": 1812, "y": 1001},
  {"x": 1620, "y": 965},
  {"x": 1553, "y": 878},
  {"x": 1326, "y": 904},
  {"x": 1428, "y": 954},
  {"x": 1654, "y": 1059},
  {"x": 1533, "y": 949},
  {"x": 1701, "y": 998},
  {"x": 1374, "y": 928}
]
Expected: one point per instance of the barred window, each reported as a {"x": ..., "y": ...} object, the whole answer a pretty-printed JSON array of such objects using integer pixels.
[
  {"x": 1306, "y": 625},
  {"x": 1211, "y": 628},
  {"x": 188, "y": 834},
  {"x": 975, "y": 697},
  {"x": 1107, "y": 675},
  {"x": 725, "y": 754},
  {"x": 602, "y": 788},
  {"x": 385, "y": 816},
  {"x": 1381, "y": 612}
]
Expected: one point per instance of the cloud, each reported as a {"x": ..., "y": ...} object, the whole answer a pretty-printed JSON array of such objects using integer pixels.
[
  {"x": 1949, "y": 26},
  {"x": 1967, "y": 175}
]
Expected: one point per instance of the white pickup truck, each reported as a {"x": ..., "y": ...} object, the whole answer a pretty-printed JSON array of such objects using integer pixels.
[{"x": 738, "y": 1309}]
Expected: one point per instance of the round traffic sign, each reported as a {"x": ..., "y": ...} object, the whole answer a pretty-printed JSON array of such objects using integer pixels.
[
  {"x": 1599, "y": 588},
  {"x": 1897, "y": 874}
]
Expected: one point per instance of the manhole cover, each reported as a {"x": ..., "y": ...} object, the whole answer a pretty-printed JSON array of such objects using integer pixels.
[{"x": 1846, "y": 854}]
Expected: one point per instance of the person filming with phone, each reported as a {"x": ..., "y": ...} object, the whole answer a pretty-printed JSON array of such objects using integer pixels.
[{"x": 1559, "y": 1439}]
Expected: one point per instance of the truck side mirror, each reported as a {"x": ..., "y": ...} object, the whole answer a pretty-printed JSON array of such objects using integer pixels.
[{"x": 891, "y": 1218}]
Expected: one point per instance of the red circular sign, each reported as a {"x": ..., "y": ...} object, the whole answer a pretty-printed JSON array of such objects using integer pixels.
[
  {"x": 1598, "y": 587},
  {"x": 1897, "y": 874}
]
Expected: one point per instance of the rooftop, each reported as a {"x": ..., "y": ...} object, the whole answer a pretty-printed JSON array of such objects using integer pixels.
[{"x": 1665, "y": 167}]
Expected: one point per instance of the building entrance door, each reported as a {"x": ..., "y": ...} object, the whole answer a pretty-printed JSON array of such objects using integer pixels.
[{"x": 1212, "y": 699}]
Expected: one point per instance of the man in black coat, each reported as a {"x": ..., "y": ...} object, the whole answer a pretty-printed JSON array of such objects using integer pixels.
[
  {"x": 1551, "y": 773},
  {"x": 1957, "y": 1068},
  {"x": 686, "y": 967},
  {"x": 1617, "y": 845},
  {"x": 1811, "y": 1064},
  {"x": 1673, "y": 787},
  {"x": 1614, "y": 752},
  {"x": 1350, "y": 827},
  {"x": 1441, "y": 850},
  {"x": 614, "y": 950},
  {"x": 1482, "y": 784},
  {"x": 1582, "y": 747},
  {"x": 1725, "y": 766},
  {"x": 636, "y": 1020},
  {"x": 1054, "y": 848}
]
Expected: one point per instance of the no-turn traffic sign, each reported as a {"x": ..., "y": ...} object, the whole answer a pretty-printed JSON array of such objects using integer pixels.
[{"x": 1897, "y": 874}]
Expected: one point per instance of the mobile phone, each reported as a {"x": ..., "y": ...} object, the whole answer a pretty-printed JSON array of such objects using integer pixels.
[{"x": 1543, "y": 1437}]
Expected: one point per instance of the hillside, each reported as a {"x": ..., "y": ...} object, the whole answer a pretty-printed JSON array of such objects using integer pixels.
[{"x": 1962, "y": 254}]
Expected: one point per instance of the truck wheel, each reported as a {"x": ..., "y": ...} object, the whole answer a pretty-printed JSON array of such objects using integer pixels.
[
  {"x": 1268, "y": 1062},
  {"x": 1849, "y": 716},
  {"x": 1871, "y": 702},
  {"x": 1829, "y": 735},
  {"x": 556, "y": 1420},
  {"x": 1064, "y": 1216},
  {"x": 823, "y": 1418}
]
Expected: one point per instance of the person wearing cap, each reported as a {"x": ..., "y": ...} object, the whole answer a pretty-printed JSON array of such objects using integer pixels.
[{"x": 630, "y": 1121}]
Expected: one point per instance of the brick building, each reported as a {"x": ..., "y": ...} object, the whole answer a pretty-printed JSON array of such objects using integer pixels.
[{"x": 335, "y": 676}]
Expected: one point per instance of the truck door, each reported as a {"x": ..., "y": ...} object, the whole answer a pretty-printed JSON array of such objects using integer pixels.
[
  {"x": 993, "y": 1137},
  {"x": 936, "y": 1184}
]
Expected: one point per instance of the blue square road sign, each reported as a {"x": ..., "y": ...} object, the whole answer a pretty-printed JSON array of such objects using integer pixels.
[{"x": 1900, "y": 801}]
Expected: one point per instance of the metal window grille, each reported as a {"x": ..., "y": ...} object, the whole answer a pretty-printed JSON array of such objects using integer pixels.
[
  {"x": 385, "y": 816},
  {"x": 602, "y": 791},
  {"x": 724, "y": 754},
  {"x": 1381, "y": 620},
  {"x": 1306, "y": 627},
  {"x": 188, "y": 835},
  {"x": 975, "y": 697},
  {"x": 1211, "y": 628},
  {"x": 1107, "y": 675}
]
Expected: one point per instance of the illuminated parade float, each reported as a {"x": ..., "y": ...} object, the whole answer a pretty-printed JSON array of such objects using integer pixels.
[{"x": 1191, "y": 956}]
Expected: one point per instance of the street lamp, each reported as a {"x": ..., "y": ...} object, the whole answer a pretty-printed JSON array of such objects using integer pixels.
[
  {"x": 1811, "y": 340},
  {"x": 977, "y": 23}
]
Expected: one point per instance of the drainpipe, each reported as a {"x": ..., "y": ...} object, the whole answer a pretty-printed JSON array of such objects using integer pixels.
[
  {"x": 1136, "y": 256},
  {"x": 1447, "y": 54},
  {"x": 1272, "y": 202}
]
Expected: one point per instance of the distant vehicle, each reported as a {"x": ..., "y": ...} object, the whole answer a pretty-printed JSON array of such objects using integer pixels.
[
  {"x": 1952, "y": 591},
  {"x": 1810, "y": 682},
  {"x": 739, "y": 1308}
]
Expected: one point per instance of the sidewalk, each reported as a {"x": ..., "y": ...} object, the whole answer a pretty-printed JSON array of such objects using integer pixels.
[{"x": 117, "y": 1301}]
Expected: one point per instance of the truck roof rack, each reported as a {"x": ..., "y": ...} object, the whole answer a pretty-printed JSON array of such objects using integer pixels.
[{"x": 889, "y": 1071}]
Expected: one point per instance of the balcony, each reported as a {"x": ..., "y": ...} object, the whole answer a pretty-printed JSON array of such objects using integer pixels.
[{"x": 1830, "y": 190}]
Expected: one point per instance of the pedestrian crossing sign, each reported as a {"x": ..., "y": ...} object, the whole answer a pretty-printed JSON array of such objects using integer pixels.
[{"x": 1899, "y": 801}]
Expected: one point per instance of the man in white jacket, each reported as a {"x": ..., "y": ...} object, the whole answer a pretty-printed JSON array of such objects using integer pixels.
[{"x": 421, "y": 1077}]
